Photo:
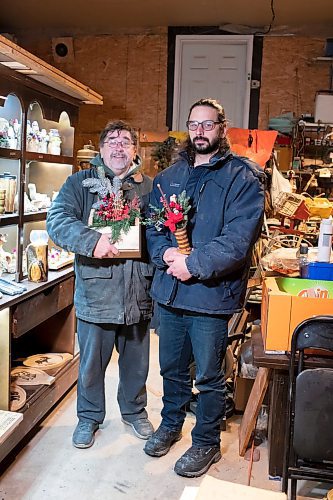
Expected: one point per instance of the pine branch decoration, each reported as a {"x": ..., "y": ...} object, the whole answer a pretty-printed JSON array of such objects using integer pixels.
[{"x": 112, "y": 209}]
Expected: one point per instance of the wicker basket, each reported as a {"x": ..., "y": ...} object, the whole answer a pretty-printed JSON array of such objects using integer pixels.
[{"x": 292, "y": 205}]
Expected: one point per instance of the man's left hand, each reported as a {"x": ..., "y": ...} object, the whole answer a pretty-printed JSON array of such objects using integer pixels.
[{"x": 178, "y": 268}]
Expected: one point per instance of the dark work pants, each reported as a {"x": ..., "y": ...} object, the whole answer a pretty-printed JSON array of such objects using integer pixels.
[
  {"x": 181, "y": 334},
  {"x": 96, "y": 342}
]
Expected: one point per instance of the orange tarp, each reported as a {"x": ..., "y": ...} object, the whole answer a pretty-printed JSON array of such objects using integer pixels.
[{"x": 254, "y": 144}]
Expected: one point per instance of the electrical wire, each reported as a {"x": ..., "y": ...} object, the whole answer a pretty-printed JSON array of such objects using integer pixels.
[
  {"x": 270, "y": 24},
  {"x": 299, "y": 140}
]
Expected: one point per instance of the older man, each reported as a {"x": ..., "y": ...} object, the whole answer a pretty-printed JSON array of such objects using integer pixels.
[
  {"x": 197, "y": 293},
  {"x": 111, "y": 293}
]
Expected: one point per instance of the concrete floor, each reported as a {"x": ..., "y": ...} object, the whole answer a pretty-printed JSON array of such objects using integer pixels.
[{"x": 50, "y": 467}]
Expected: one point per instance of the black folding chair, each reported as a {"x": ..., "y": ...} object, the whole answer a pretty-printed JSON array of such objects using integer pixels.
[{"x": 309, "y": 436}]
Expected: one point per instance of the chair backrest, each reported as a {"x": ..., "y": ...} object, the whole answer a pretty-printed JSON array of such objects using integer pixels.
[
  {"x": 311, "y": 392},
  {"x": 313, "y": 429},
  {"x": 316, "y": 332}
]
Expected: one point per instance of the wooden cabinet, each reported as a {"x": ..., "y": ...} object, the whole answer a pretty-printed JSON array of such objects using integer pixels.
[
  {"x": 41, "y": 320},
  {"x": 32, "y": 311},
  {"x": 37, "y": 153},
  {"x": 31, "y": 174}
]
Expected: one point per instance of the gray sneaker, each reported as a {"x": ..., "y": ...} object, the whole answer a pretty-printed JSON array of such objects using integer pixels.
[
  {"x": 84, "y": 434},
  {"x": 142, "y": 428}
]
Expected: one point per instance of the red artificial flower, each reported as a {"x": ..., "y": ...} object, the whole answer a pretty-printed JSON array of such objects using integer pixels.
[
  {"x": 175, "y": 206},
  {"x": 172, "y": 220}
]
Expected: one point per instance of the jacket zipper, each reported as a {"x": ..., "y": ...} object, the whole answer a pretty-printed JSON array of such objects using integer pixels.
[
  {"x": 173, "y": 292},
  {"x": 199, "y": 196}
]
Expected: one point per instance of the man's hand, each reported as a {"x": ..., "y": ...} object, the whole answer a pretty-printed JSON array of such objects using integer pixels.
[
  {"x": 178, "y": 267},
  {"x": 104, "y": 249},
  {"x": 169, "y": 254}
]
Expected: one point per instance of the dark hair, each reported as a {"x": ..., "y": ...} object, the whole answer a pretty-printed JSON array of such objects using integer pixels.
[
  {"x": 211, "y": 103},
  {"x": 118, "y": 126},
  {"x": 224, "y": 144}
]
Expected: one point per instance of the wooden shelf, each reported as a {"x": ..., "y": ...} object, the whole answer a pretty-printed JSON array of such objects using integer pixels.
[
  {"x": 8, "y": 219},
  {"x": 42, "y": 318},
  {"x": 11, "y": 219},
  {"x": 54, "y": 277},
  {"x": 40, "y": 403},
  {"x": 43, "y": 157},
  {"x": 323, "y": 59},
  {"x": 16, "y": 58},
  {"x": 11, "y": 154}
]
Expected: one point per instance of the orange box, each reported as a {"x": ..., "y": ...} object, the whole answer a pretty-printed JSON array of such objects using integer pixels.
[
  {"x": 286, "y": 302},
  {"x": 284, "y": 157}
]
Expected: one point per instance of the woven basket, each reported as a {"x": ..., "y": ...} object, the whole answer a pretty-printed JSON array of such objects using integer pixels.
[{"x": 292, "y": 205}]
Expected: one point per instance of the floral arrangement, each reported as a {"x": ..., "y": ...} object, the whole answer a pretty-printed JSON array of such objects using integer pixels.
[
  {"x": 112, "y": 209},
  {"x": 172, "y": 215}
]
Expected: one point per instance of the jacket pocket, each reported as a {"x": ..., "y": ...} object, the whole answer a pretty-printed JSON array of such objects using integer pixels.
[
  {"x": 228, "y": 291},
  {"x": 147, "y": 270},
  {"x": 93, "y": 268}
]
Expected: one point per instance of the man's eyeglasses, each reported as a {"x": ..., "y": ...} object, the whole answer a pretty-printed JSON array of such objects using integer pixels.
[
  {"x": 113, "y": 143},
  {"x": 206, "y": 125}
]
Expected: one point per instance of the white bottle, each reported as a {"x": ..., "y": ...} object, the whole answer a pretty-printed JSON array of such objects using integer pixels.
[{"x": 325, "y": 241}]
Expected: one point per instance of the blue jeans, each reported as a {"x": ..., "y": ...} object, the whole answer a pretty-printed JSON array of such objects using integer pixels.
[{"x": 184, "y": 334}]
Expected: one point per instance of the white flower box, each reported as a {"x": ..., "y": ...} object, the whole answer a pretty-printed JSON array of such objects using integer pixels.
[{"x": 129, "y": 244}]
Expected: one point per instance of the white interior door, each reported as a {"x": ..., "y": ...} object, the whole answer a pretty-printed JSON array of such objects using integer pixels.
[{"x": 213, "y": 66}]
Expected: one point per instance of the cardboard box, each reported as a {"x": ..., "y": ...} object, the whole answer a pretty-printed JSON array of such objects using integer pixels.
[
  {"x": 286, "y": 302},
  {"x": 284, "y": 157},
  {"x": 211, "y": 487}
]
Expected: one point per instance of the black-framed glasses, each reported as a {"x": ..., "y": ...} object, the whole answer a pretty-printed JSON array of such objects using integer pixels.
[
  {"x": 113, "y": 143},
  {"x": 206, "y": 124}
]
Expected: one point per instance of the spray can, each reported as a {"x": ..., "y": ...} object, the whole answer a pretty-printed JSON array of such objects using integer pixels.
[{"x": 325, "y": 241}]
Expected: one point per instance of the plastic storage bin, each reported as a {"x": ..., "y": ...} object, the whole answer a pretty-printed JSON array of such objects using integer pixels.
[{"x": 320, "y": 271}]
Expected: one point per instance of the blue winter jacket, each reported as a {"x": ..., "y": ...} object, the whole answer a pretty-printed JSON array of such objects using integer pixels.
[
  {"x": 227, "y": 198},
  {"x": 106, "y": 290}
]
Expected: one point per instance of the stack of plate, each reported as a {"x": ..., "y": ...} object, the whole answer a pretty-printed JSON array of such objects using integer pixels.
[
  {"x": 24, "y": 375},
  {"x": 18, "y": 397},
  {"x": 47, "y": 361}
]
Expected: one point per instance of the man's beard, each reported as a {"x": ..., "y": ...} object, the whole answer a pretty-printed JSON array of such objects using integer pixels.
[{"x": 207, "y": 147}]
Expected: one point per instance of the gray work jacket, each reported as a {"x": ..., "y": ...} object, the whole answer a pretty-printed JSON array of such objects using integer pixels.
[{"x": 106, "y": 290}]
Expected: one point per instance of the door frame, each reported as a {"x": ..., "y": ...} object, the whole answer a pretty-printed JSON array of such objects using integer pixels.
[{"x": 233, "y": 39}]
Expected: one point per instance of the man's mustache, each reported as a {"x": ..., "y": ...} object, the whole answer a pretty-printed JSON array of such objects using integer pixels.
[{"x": 200, "y": 138}]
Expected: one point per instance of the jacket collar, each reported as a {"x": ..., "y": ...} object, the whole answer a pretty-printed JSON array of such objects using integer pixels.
[
  {"x": 134, "y": 175},
  {"x": 214, "y": 161}
]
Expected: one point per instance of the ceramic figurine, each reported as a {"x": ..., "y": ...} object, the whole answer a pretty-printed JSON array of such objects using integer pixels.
[{"x": 5, "y": 257}]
